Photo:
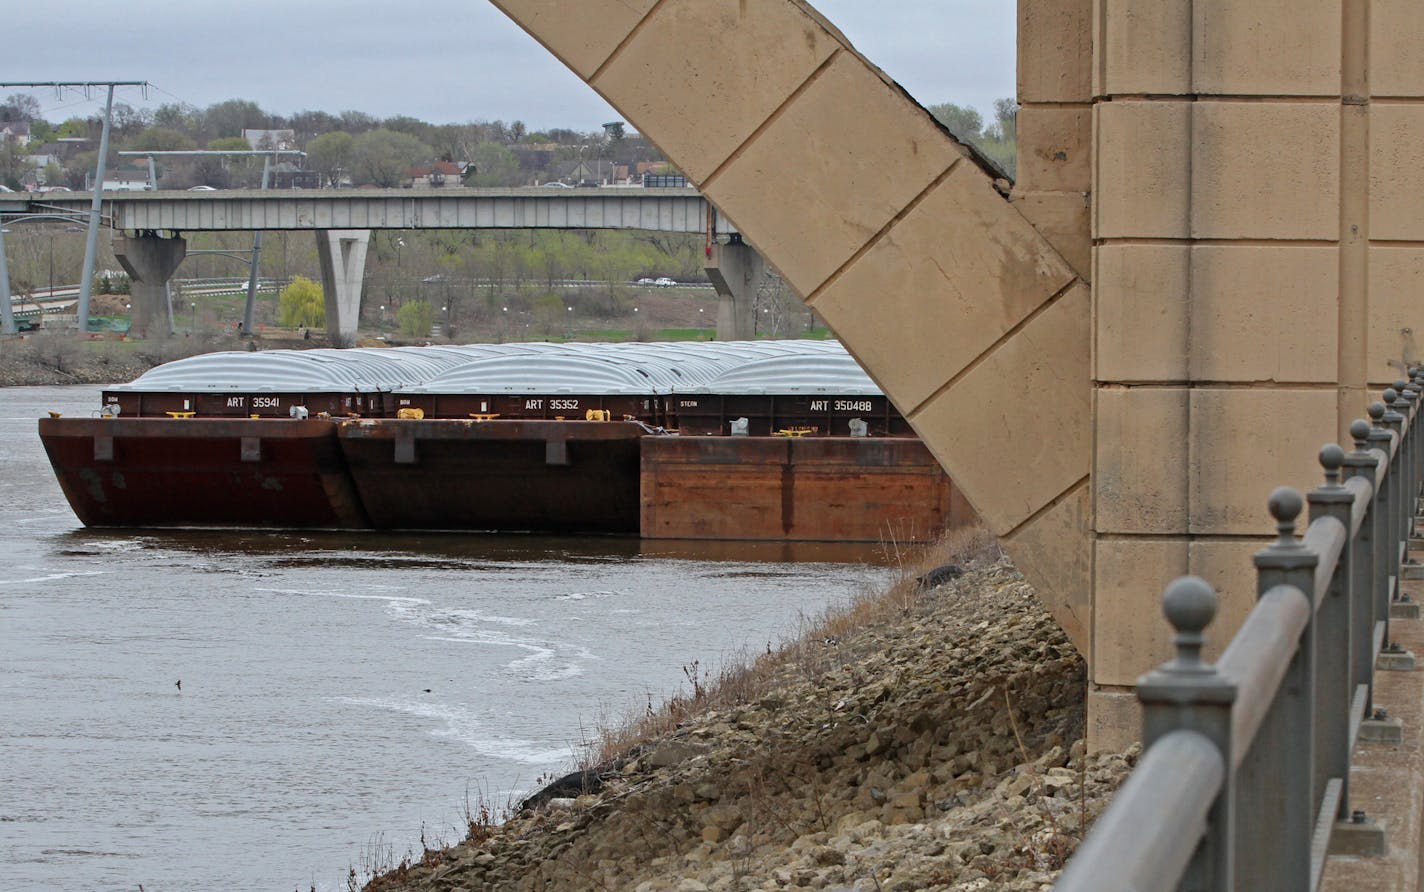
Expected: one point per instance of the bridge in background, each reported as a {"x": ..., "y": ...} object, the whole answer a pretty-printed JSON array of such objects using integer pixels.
[
  {"x": 661, "y": 210},
  {"x": 342, "y": 219}
]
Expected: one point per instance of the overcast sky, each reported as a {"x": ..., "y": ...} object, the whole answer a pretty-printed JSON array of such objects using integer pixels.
[{"x": 443, "y": 62}]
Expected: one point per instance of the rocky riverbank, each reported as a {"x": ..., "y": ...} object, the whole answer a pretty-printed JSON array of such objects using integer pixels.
[
  {"x": 930, "y": 738},
  {"x": 38, "y": 362}
]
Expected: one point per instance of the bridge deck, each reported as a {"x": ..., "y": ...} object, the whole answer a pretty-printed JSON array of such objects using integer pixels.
[{"x": 662, "y": 210}]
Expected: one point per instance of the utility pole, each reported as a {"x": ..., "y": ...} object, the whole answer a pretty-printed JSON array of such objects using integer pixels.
[{"x": 91, "y": 243}]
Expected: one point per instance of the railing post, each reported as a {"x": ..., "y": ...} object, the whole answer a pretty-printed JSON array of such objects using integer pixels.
[
  {"x": 1408, "y": 405},
  {"x": 1399, "y": 468},
  {"x": 1276, "y": 797},
  {"x": 1363, "y": 463},
  {"x": 1186, "y": 693},
  {"x": 1334, "y": 689},
  {"x": 1415, "y": 388},
  {"x": 1380, "y": 513},
  {"x": 1389, "y": 421},
  {"x": 1416, "y": 376}
]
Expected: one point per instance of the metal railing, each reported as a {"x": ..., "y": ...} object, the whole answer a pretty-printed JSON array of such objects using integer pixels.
[{"x": 1246, "y": 767}]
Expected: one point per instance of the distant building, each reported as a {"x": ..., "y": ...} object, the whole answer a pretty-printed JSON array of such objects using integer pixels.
[
  {"x": 441, "y": 173},
  {"x": 534, "y": 158},
  {"x": 286, "y": 175},
  {"x": 15, "y": 132},
  {"x": 266, "y": 140},
  {"x": 593, "y": 173}
]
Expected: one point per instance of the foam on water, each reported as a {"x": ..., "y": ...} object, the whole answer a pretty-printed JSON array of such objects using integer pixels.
[{"x": 461, "y": 724}]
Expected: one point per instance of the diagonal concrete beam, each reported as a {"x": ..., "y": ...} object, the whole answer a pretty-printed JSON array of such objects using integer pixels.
[{"x": 970, "y": 321}]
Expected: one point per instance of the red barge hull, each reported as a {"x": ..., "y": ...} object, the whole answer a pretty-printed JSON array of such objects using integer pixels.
[
  {"x": 839, "y": 489},
  {"x": 158, "y": 472},
  {"x": 498, "y": 475}
]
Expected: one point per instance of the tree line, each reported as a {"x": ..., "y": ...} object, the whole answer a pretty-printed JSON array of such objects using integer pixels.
[{"x": 360, "y": 149}]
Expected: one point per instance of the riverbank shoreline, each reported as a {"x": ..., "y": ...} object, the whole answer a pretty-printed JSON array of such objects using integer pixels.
[{"x": 925, "y": 738}]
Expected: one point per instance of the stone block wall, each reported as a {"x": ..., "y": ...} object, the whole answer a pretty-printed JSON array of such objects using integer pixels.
[{"x": 1252, "y": 282}]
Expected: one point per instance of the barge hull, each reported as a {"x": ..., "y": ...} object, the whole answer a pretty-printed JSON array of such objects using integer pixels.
[
  {"x": 799, "y": 489},
  {"x": 527, "y": 476},
  {"x": 157, "y": 472}
]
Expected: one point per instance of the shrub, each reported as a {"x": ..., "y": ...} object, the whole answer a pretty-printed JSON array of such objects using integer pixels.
[
  {"x": 302, "y": 303},
  {"x": 415, "y": 318}
]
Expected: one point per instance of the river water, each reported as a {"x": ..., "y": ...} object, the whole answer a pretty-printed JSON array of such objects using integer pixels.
[{"x": 341, "y": 693}]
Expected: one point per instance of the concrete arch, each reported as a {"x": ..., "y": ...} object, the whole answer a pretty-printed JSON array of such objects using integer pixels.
[{"x": 894, "y": 232}]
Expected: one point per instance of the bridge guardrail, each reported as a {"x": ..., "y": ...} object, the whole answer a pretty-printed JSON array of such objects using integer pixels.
[{"x": 1246, "y": 768}]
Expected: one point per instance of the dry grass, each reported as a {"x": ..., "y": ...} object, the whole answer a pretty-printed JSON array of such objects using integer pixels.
[{"x": 746, "y": 678}]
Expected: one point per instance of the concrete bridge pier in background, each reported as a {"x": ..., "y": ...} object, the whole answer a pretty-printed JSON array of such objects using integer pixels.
[
  {"x": 150, "y": 261},
  {"x": 342, "y": 253},
  {"x": 736, "y": 269}
]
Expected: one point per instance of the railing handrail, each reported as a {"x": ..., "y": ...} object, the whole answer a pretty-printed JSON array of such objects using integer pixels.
[
  {"x": 1184, "y": 767},
  {"x": 1246, "y": 766},
  {"x": 1257, "y": 657}
]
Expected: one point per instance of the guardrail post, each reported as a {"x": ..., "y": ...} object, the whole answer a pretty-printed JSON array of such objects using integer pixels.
[
  {"x": 1399, "y": 469},
  {"x": 1187, "y": 693},
  {"x": 1276, "y": 796},
  {"x": 1408, "y": 406},
  {"x": 1363, "y": 462},
  {"x": 1387, "y": 552},
  {"x": 1334, "y": 638},
  {"x": 1416, "y": 459}
]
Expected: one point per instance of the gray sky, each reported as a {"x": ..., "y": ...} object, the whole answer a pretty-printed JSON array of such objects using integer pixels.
[{"x": 446, "y": 62}]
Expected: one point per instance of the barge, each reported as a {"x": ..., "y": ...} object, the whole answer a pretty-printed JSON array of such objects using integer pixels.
[{"x": 775, "y": 440}]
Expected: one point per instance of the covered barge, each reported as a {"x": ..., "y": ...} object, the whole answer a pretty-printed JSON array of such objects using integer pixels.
[{"x": 777, "y": 440}]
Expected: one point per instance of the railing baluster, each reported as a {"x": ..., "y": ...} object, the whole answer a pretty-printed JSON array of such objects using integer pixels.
[
  {"x": 1385, "y": 508},
  {"x": 1275, "y": 795},
  {"x": 1332, "y": 622},
  {"x": 1362, "y": 463}
]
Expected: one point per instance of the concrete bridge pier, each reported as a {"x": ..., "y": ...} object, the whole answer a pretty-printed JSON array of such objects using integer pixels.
[
  {"x": 736, "y": 269},
  {"x": 150, "y": 261},
  {"x": 342, "y": 253}
]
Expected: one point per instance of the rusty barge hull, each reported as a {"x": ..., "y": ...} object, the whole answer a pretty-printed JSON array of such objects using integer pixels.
[
  {"x": 796, "y": 489},
  {"x": 157, "y": 472},
  {"x": 528, "y": 475}
]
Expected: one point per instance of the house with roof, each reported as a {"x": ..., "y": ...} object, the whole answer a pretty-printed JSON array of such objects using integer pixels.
[
  {"x": 440, "y": 173},
  {"x": 15, "y": 133}
]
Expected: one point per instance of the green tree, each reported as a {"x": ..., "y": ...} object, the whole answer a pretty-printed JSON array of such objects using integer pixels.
[
  {"x": 964, "y": 122},
  {"x": 415, "y": 318},
  {"x": 302, "y": 303},
  {"x": 233, "y": 116},
  {"x": 330, "y": 155},
  {"x": 384, "y": 157},
  {"x": 495, "y": 165},
  {"x": 998, "y": 142},
  {"x": 229, "y": 144},
  {"x": 159, "y": 139}
]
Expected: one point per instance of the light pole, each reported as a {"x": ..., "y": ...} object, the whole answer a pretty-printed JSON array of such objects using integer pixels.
[{"x": 194, "y": 326}]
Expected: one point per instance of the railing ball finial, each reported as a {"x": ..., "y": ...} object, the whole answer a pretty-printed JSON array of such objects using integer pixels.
[
  {"x": 1389, "y": 396},
  {"x": 1285, "y": 505},
  {"x": 1360, "y": 431},
  {"x": 1376, "y": 412},
  {"x": 1190, "y": 605},
  {"x": 1332, "y": 459}
]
